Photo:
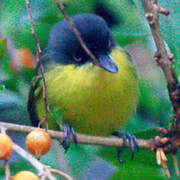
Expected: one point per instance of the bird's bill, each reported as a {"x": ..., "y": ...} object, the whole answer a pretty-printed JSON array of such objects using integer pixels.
[{"x": 105, "y": 62}]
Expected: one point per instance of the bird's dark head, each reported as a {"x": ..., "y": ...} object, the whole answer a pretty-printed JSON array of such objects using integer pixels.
[{"x": 65, "y": 48}]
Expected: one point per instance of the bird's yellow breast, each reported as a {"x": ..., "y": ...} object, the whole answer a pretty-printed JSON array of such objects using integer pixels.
[{"x": 93, "y": 100}]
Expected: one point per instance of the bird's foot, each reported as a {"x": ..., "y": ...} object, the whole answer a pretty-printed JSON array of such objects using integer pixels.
[
  {"x": 132, "y": 143},
  {"x": 68, "y": 130}
]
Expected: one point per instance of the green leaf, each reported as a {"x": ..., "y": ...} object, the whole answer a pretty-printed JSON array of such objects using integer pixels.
[
  {"x": 3, "y": 46},
  {"x": 9, "y": 84},
  {"x": 2, "y": 87}
]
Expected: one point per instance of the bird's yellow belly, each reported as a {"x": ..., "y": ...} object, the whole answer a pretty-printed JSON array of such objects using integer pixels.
[
  {"x": 98, "y": 111},
  {"x": 93, "y": 101}
]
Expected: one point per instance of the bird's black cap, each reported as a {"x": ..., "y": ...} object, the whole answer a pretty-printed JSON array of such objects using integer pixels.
[{"x": 64, "y": 47}]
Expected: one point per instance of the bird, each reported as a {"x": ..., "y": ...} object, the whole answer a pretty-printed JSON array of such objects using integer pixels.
[{"x": 97, "y": 95}]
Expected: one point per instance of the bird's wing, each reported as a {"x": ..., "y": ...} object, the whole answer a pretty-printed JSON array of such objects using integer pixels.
[
  {"x": 35, "y": 94},
  {"x": 31, "y": 100},
  {"x": 126, "y": 53},
  {"x": 129, "y": 58}
]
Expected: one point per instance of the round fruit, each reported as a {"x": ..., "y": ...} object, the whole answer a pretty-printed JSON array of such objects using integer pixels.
[
  {"x": 25, "y": 175},
  {"x": 5, "y": 146},
  {"x": 38, "y": 142},
  {"x": 25, "y": 58}
]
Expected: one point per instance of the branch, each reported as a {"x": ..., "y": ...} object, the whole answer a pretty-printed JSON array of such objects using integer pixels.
[
  {"x": 44, "y": 171},
  {"x": 165, "y": 61},
  {"x": 82, "y": 139},
  {"x": 62, "y": 174},
  {"x": 152, "y": 11},
  {"x": 39, "y": 62},
  {"x": 7, "y": 170}
]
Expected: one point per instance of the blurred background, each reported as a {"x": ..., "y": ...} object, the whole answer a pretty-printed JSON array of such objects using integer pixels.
[{"x": 131, "y": 31}]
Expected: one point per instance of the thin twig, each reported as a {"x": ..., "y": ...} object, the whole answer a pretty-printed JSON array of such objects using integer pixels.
[
  {"x": 62, "y": 174},
  {"x": 152, "y": 11},
  {"x": 3, "y": 129},
  {"x": 33, "y": 161},
  {"x": 82, "y": 139},
  {"x": 39, "y": 62},
  {"x": 7, "y": 170},
  {"x": 165, "y": 61},
  {"x": 41, "y": 168},
  {"x": 44, "y": 171},
  {"x": 76, "y": 32}
]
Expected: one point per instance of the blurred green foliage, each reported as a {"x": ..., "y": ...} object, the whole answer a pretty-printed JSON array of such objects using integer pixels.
[
  {"x": 3, "y": 46},
  {"x": 129, "y": 28}
]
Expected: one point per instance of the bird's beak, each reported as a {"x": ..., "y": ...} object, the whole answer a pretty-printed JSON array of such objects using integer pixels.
[{"x": 105, "y": 62}]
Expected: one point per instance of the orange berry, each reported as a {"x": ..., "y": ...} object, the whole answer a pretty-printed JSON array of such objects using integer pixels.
[
  {"x": 25, "y": 58},
  {"x": 5, "y": 146},
  {"x": 25, "y": 175},
  {"x": 38, "y": 142}
]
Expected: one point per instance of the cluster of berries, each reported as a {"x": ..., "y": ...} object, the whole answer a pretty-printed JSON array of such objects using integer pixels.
[{"x": 38, "y": 143}]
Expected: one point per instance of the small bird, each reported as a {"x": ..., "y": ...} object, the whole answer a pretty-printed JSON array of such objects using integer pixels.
[{"x": 96, "y": 97}]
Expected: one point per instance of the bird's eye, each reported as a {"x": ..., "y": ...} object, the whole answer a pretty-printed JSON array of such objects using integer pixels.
[{"x": 77, "y": 58}]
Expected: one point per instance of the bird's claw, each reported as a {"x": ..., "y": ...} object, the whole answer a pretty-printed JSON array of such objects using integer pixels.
[
  {"x": 68, "y": 130},
  {"x": 132, "y": 143}
]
